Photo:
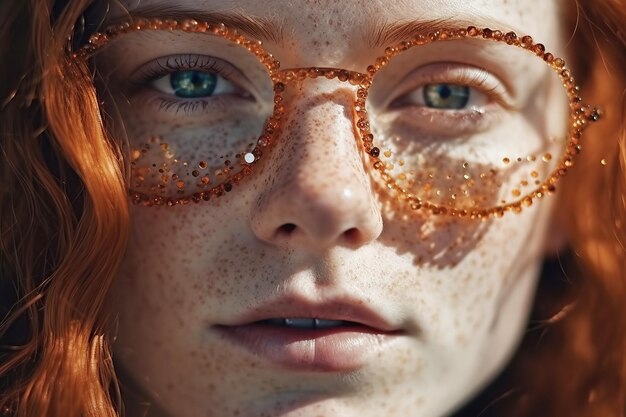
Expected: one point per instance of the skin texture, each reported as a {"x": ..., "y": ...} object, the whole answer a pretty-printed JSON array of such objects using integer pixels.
[{"x": 459, "y": 289}]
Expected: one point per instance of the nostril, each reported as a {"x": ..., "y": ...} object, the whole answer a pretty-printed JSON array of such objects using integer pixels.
[
  {"x": 352, "y": 235},
  {"x": 286, "y": 229}
]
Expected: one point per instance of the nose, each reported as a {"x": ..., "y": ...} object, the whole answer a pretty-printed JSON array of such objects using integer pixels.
[{"x": 317, "y": 192}]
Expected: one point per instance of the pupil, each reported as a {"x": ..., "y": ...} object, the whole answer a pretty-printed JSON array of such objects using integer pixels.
[
  {"x": 193, "y": 83},
  {"x": 446, "y": 96},
  {"x": 445, "y": 91}
]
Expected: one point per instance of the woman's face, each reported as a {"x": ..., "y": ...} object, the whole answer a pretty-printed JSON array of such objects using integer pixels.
[{"x": 437, "y": 304}]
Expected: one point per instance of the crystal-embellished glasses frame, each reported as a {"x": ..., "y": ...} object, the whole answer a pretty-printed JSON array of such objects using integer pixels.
[{"x": 579, "y": 116}]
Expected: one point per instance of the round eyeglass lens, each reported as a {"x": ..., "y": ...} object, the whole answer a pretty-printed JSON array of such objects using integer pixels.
[
  {"x": 192, "y": 120},
  {"x": 469, "y": 124}
]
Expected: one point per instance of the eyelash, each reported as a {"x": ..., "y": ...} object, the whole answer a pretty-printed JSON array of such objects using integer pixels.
[
  {"x": 474, "y": 78},
  {"x": 162, "y": 67},
  {"x": 477, "y": 79},
  {"x": 189, "y": 106}
]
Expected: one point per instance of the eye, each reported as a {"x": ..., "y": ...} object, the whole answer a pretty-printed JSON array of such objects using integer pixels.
[
  {"x": 446, "y": 96},
  {"x": 194, "y": 84},
  {"x": 449, "y": 88}
]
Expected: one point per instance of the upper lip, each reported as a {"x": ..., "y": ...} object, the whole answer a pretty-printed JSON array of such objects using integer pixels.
[{"x": 342, "y": 308}]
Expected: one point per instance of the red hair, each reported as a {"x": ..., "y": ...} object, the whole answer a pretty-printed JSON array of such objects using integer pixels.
[
  {"x": 64, "y": 223},
  {"x": 64, "y": 220}
]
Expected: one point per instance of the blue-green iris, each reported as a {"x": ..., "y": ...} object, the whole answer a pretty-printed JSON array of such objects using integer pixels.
[
  {"x": 190, "y": 84},
  {"x": 446, "y": 96}
]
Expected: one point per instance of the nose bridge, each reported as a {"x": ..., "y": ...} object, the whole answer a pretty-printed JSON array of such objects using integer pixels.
[
  {"x": 319, "y": 129},
  {"x": 306, "y": 83},
  {"x": 298, "y": 75},
  {"x": 314, "y": 98},
  {"x": 306, "y": 92},
  {"x": 318, "y": 126}
]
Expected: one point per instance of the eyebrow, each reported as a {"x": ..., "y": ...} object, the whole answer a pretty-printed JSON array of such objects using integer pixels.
[
  {"x": 377, "y": 35},
  {"x": 387, "y": 33},
  {"x": 254, "y": 26}
]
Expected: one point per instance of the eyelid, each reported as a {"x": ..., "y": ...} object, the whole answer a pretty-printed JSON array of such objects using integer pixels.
[
  {"x": 162, "y": 66},
  {"x": 455, "y": 73}
]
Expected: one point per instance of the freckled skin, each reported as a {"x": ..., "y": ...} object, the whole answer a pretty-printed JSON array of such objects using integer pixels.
[{"x": 461, "y": 289}]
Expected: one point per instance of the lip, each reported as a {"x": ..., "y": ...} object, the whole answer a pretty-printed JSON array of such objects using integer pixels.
[{"x": 338, "y": 349}]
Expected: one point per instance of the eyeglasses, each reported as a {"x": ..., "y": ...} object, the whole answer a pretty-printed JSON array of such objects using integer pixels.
[{"x": 453, "y": 122}]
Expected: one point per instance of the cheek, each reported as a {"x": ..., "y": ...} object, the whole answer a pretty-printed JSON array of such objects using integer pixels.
[
  {"x": 460, "y": 275},
  {"x": 182, "y": 261}
]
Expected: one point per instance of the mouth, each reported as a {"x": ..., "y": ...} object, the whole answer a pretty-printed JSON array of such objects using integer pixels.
[
  {"x": 298, "y": 335},
  {"x": 307, "y": 323}
]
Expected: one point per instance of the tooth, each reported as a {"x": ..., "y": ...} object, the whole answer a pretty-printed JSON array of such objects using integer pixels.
[
  {"x": 300, "y": 323},
  {"x": 324, "y": 324}
]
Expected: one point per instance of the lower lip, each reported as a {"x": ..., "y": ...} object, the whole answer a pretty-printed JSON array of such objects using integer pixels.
[{"x": 340, "y": 349}]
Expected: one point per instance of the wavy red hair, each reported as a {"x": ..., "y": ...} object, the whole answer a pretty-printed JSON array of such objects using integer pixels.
[{"x": 64, "y": 220}]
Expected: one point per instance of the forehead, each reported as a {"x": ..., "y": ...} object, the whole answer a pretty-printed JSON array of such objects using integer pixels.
[{"x": 333, "y": 23}]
